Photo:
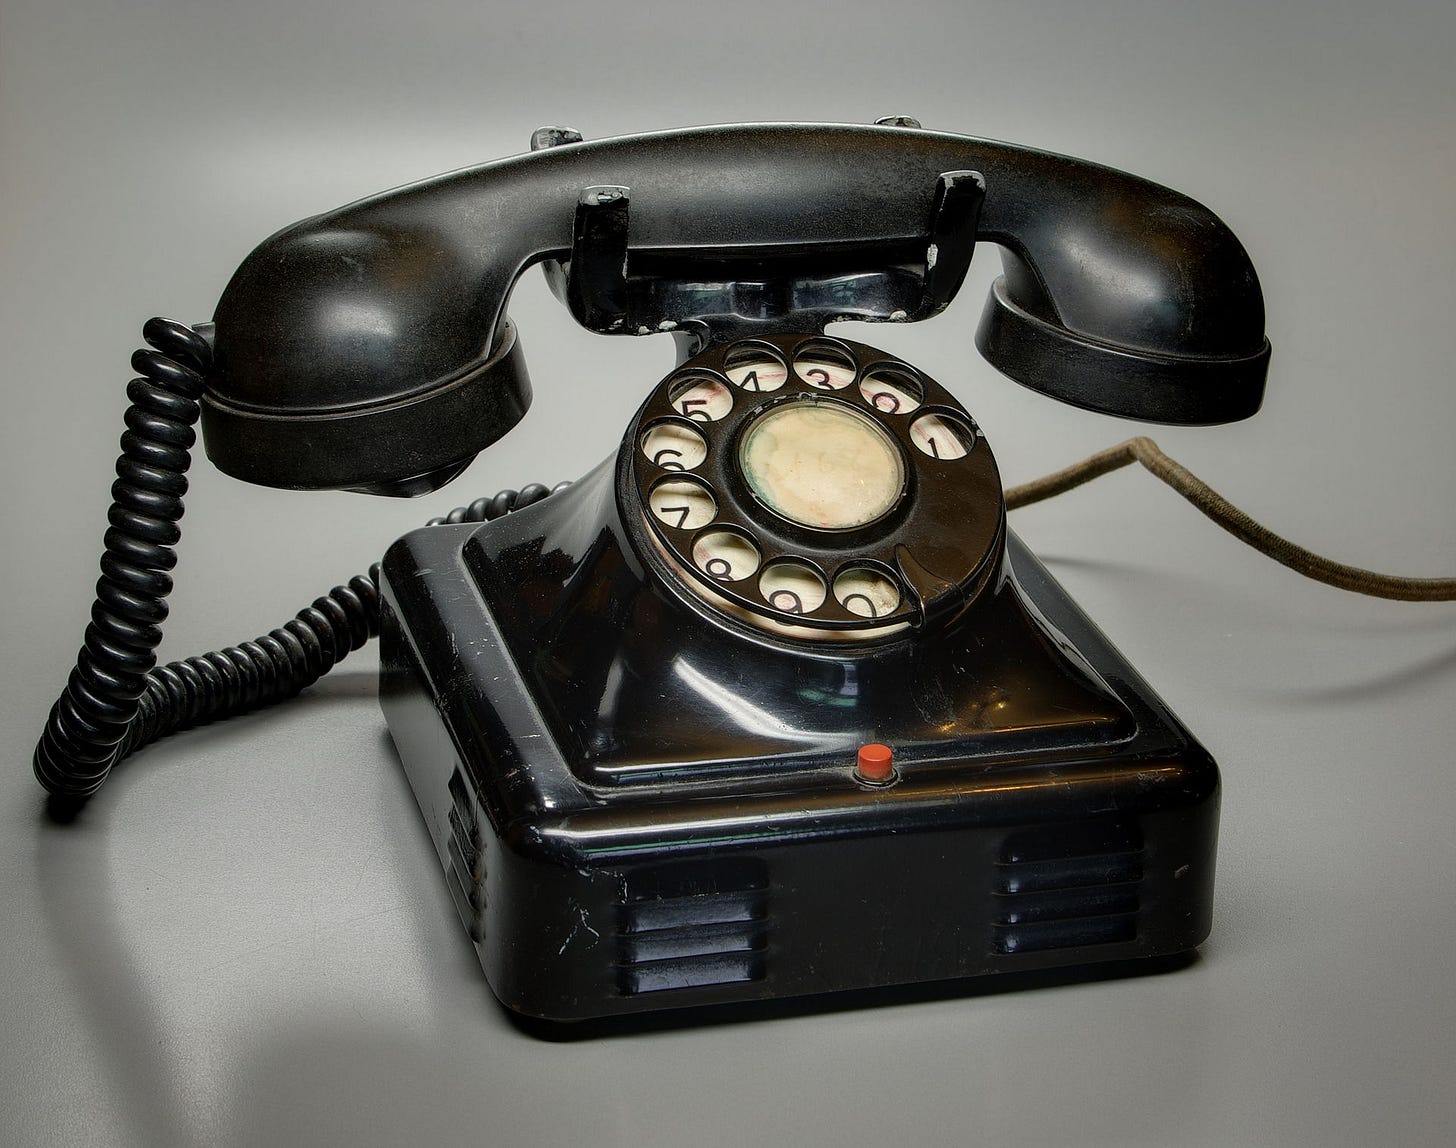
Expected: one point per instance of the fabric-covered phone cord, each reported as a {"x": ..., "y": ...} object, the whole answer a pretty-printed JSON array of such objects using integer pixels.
[
  {"x": 1144, "y": 450},
  {"x": 117, "y": 699}
]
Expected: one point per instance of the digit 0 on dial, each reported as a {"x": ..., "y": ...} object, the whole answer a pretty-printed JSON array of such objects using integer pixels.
[
  {"x": 813, "y": 488},
  {"x": 891, "y": 392},
  {"x": 682, "y": 503},
  {"x": 866, "y": 592}
]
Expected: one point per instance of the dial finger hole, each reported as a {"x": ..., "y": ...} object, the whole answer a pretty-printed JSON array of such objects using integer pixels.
[
  {"x": 753, "y": 369},
  {"x": 866, "y": 592},
  {"x": 942, "y": 436},
  {"x": 682, "y": 503},
  {"x": 792, "y": 586},
  {"x": 725, "y": 556},
  {"x": 674, "y": 446},
  {"x": 701, "y": 398},
  {"x": 892, "y": 392},
  {"x": 824, "y": 367}
]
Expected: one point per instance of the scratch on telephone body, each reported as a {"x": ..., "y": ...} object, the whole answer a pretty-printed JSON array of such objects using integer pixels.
[{"x": 581, "y": 924}]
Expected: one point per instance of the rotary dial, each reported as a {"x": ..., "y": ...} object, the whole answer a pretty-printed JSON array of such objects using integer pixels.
[{"x": 815, "y": 488}]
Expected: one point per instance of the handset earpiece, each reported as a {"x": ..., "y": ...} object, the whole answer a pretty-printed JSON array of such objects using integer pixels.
[
  {"x": 368, "y": 348},
  {"x": 1121, "y": 296}
]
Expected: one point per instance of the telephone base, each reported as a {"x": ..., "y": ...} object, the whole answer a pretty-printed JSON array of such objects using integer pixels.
[{"x": 638, "y": 808}]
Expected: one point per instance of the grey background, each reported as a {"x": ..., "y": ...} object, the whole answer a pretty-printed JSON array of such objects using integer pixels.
[{"x": 245, "y": 939}]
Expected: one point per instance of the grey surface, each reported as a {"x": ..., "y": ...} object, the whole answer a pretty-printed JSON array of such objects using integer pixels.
[{"x": 245, "y": 938}]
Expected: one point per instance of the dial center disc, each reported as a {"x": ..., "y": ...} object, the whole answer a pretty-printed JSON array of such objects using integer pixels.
[{"x": 822, "y": 465}]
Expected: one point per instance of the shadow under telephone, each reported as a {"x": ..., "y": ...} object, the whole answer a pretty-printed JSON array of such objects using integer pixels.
[{"x": 771, "y": 702}]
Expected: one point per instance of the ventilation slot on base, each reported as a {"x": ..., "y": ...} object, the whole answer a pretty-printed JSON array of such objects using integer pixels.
[
  {"x": 466, "y": 872},
  {"x": 1060, "y": 887},
  {"x": 692, "y": 924}
]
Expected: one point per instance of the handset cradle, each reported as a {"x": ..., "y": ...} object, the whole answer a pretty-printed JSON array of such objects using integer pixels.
[{"x": 713, "y": 298}]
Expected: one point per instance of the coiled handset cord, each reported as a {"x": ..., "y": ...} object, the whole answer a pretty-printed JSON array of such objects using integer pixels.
[{"x": 117, "y": 700}]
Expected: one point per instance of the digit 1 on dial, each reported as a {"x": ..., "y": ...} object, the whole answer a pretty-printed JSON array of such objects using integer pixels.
[{"x": 942, "y": 436}]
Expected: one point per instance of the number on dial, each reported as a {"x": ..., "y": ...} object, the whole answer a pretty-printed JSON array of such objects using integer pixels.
[
  {"x": 942, "y": 436},
  {"x": 725, "y": 556},
  {"x": 891, "y": 393},
  {"x": 866, "y": 592},
  {"x": 757, "y": 374},
  {"x": 682, "y": 503},
  {"x": 824, "y": 371},
  {"x": 794, "y": 587},
  {"x": 701, "y": 399},
  {"x": 674, "y": 446}
]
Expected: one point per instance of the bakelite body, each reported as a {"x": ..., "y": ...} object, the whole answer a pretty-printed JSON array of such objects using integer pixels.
[{"x": 640, "y": 804}]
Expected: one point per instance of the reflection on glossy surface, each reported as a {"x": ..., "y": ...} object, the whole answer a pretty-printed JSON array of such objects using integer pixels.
[
  {"x": 729, "y": 709},
  {"x": 636, "y": 682}
]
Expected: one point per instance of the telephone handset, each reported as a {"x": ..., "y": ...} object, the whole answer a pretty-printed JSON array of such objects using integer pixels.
[
  {"x": 369, "y": 347},
  {"x": 772, "y": 702}
]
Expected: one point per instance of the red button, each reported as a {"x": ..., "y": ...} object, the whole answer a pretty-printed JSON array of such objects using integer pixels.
[{"x": 876, "y": 763}]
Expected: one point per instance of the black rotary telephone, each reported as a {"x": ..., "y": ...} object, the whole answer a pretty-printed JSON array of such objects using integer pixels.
[{"x": 771, "y": 702}]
